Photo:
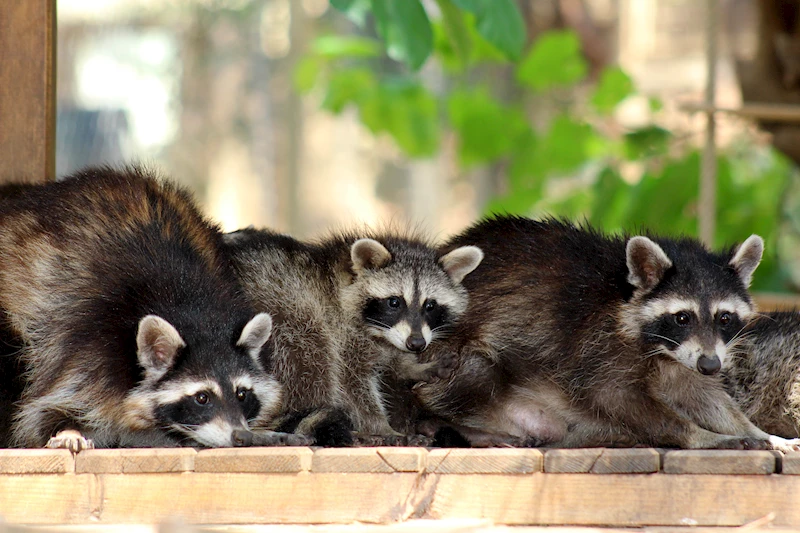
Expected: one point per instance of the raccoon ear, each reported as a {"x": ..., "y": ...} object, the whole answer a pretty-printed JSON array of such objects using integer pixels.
[
  {"x": 368, "y": 254},
  {"x": 746, "y": 258},
  {"x": 255, "y": 334},
  {"x": 461, "y": 261},
  {"x": 647, "y": 263},
  {"x": 157, "y": 344}
]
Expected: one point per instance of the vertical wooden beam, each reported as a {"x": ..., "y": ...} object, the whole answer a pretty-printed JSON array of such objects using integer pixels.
[
  {"x": 27, "y": 90},
  {"x": 707, "y": 209}
]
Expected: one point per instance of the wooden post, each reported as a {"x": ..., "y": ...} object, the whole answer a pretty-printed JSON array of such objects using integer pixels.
[
  {"x": 27, "y": 90},
  {"x": 707, "y": 209}
]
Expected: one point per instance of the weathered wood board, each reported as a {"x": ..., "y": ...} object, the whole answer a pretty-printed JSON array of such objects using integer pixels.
[{"x": 599, "y": 487}]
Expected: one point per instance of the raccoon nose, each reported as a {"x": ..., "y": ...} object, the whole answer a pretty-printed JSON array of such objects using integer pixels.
[
  {"x": 708, "y": 365},
  {"x": 242, "y": 438},
  {"x": 415, "y": 343}
]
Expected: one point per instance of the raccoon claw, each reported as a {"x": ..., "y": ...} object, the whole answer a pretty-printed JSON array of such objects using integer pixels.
[
  {"x": 70, "y": 440},
  {"x": 276, "y": 438},
  {"x": 744, "y": 444}
]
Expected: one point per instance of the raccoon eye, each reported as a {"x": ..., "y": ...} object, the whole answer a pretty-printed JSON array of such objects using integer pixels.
[
  {"x": 393, "y": 301},
  {"x": 241, "y": 395},
  {"x": 725, "y": 319},
  {"x": 201, "y": 398},
  {"x": 683, "y": 318},
  {"x": 430, "y": 305}
]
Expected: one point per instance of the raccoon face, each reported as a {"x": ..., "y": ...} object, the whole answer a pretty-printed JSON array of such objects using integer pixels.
[
  {"x": 210, "y": 401},
  {"x": 210, "y": 412},
  {"x": 410, "y": 300},
  {"x": 690, "y": 312}
]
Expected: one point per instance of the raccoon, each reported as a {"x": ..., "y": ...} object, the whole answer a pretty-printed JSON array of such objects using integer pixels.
[
  {"x": 351, "y": 311},
  {"x": 574, "y": 339},
  {"x": 129, "y": 324},
  {"x": 764, "y": 377}
]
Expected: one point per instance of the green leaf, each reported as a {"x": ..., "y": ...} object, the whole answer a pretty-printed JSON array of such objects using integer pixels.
[
  {"x": 666, "y": 202},
  {"x": 610, "y": 201},
  {"x": 568, "y": 144},
  {"x": 500, "y": 23},
  {"x": 485, "y": 128},
  {"x": 554, "y": 60},
  {"x": 515, "y": 203},
  {"x": 650, "y": 141},
  {"x": 336, "y": 46},
  {"x": 656, "y": 104},
  {"x": 457, "y": 32},
  {"x": 406, "y": 30},
  {"x": 356, "y": 10},
  {"x": 614, "y": 86},
  {"x": 407, "y": 111},
  {"x": 306, "y": 73},
  {"x": 348, "y": 86}
]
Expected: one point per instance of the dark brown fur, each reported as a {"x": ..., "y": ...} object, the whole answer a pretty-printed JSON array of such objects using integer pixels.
[{"x": 551, "y": 349}]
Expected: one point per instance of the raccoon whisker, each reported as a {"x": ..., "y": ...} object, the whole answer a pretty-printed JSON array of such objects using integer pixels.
[
  {"x": 378, "y": 323},
  {"x": 763, "y": 315},
  {"x": 676, "y": 343}
]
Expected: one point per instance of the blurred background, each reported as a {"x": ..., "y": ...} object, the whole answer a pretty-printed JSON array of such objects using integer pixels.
[{"x": 307, "y": 115}]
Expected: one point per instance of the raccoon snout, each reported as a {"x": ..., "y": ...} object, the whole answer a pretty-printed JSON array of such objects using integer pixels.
[
  {"x": 241, "y": 438},
  {"x": 708, "y": 365},
  {"x": 416, "y": 343}
]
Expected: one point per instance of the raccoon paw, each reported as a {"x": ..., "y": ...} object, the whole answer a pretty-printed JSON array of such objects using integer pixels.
[
  {"x": 446, "y": 365},
  {"x": 368, "y": 441},
  {"x": 743, "y": 443},
  {"x": 784, "y": 445},
  {"x": 420, "y": 441},
  {"x": 276, "y": 438},
  {"x": 71, "y": 440}
]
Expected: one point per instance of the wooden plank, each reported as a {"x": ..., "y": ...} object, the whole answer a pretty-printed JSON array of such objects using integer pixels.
[
  {"x": 627, "y": 461},
  {"x": 275, "y": 460},
  {"x": 571, "y": 461},
  {"x": 16, "y": 461},
  {"x": 719, "y": 462},
  {"x": 487, "y": 461},
  {"x": 216, "y": 498},
  {"x": 614, "y": 500},
  {"x": 791, "y": 463},
  {"x": 619, "y": 500},
  {"x": 27, "y": 90},
  {"x": 375, "y": 460},
  {"x": 129, "y": 461},
  {"x": 49, "y": 499}
]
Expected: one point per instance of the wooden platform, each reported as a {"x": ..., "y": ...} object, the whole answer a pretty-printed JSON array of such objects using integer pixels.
[{"x": 592, "y": 487}]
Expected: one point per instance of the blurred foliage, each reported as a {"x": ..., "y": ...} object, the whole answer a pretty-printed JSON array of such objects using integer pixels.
[{"x": 578, "y": 162}]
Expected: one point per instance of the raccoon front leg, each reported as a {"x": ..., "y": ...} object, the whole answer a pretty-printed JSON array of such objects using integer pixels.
[
  {"x": 713, "y": 409},
  {"x": 410, "y": 369},
  {"x": 652, "y": 422}
]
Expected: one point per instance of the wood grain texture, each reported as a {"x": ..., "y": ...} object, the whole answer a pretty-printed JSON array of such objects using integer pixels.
[
  {"x": 27, "y": 90},
  {"x": 36, "y": 462},
  {"x": 628, "y": 500},
  {"x": 375, "y": 460},
  {"x": 614, "y": 500},
  {"x": 571, "y": 461},
  {"x": 719, "y": 462},
  {"x": 488, "y": 461},
  {"x": 215, "y": 498},
  {"x": 275, "y": 460},
  {"x": 133, "y": 461}
]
